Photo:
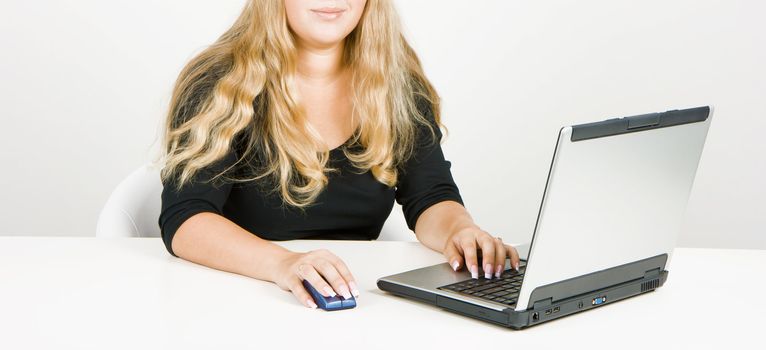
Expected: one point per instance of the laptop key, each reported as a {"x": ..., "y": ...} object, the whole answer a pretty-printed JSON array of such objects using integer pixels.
[
  {"x": 485, "y": 287},
  {"x": 510, "y": 283}
]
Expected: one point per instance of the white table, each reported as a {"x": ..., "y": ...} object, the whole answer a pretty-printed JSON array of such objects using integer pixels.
[{"x": 91, "y": 293}]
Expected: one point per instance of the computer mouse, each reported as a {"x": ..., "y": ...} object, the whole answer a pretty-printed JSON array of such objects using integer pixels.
[{"x": 329, "y": 303}]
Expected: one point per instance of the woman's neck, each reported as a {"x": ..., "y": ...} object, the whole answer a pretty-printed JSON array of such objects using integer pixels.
[{"x": 320, "y": 64}]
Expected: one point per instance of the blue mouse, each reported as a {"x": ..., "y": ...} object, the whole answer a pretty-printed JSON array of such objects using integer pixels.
[{"x": 329, "y": 303}]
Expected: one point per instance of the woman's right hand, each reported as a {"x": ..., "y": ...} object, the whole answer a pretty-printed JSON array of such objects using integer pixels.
[{"x": 318, "y": 267}]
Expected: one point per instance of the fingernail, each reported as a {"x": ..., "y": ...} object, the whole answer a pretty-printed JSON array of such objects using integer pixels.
[
  {"x": 474, "y": 272},
  {"x": 488, "y": 271},
  {"x": 455, "y": 265},
  {"x": 311, "y": 304},
  {"x": 354, "y": 290},
  {"x": 516, "y": 266},
  {"x": 498, "y": 271},
  {"x": 344, "y": 292},
  {"x": 329, "y": 291}
]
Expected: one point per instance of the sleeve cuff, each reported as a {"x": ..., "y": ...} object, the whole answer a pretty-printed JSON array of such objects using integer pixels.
[
  {"x": 412, "y": 214},
  {"x": 169, "y": 225}
]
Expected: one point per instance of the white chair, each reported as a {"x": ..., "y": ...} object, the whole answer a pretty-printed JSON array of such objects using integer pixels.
[{"x": 133, "y": 210}]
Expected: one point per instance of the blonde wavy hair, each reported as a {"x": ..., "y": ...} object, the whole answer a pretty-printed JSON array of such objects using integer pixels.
[{"x": 244, "y": 85}]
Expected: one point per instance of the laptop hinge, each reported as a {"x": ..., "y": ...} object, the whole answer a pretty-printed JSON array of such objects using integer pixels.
[
  {"x": 653, "y": 273},
  {"x": 541, "y": 304}
]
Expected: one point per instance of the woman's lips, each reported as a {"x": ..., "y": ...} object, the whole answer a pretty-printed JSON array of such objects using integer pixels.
[{"x": 328, "y": 12}]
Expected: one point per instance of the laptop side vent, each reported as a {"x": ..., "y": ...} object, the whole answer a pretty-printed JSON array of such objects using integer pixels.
[{"x": 649, "y": 285}]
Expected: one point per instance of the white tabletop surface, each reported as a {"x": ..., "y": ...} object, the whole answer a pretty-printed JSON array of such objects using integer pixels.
[{"x": 96, "y": 293}]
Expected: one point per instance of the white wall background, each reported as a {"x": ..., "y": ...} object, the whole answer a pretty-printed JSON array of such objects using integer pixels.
[{"x": 84, "y": 85}]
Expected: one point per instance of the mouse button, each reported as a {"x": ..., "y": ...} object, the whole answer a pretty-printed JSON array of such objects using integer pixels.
[
  {"x": 348, "y": 303},
  {"x": 333, "y": 302}
]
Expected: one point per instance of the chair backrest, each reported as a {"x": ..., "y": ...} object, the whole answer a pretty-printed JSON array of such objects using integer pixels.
[{"x": 133, "y": 208}]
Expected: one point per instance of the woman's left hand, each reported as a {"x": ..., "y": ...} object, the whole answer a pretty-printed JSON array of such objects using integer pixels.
[{"x": 461, "y": 250}]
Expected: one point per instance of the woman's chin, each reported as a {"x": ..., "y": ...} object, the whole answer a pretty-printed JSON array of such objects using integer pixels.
[{"x": 327, "y": 39}]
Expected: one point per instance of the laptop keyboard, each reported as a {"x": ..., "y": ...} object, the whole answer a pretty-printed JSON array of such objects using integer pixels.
[{"x": 504, "y": 290}]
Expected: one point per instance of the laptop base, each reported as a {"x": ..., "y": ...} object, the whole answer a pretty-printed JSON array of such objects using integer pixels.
[{"x": 540, "y": 313}]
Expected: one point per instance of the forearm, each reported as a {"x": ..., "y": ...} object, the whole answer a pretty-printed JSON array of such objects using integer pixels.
[
  {"x": 440, "y": 220},
  {"x": 211, "y": 240}
]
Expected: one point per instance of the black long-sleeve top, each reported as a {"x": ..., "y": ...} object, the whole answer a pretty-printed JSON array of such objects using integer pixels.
[{"x": 353, "y": 206}]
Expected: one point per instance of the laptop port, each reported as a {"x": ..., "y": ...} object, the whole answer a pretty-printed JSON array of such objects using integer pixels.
[
  {"x": 535, "y": 317},
  {"x": 556, "y": 309},
  {"x": 548, "y": 312},
  {"x": 579, "y": 305},
  {"x": 598, "y": 301}
]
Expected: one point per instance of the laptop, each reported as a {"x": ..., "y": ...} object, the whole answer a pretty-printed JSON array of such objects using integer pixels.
[{"x": 611, "y": 211}]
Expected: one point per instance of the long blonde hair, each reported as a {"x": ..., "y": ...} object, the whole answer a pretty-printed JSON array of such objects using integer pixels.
[{"x": 243, "y": 84}]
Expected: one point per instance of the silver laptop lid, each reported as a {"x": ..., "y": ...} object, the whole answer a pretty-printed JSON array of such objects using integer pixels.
[{"x": 616, "y": 193}]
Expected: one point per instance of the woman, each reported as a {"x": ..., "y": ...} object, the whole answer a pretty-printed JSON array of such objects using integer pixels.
[{"x": 306, "y": 120}]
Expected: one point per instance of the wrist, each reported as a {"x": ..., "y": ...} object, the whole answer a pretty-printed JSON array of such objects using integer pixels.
[
  {"x": 282, "y": 259},
  {"x": 270, "y": 265}
]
